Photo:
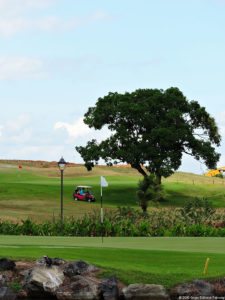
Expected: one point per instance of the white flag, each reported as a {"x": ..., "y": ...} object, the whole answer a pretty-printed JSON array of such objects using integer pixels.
[{"x": 103, "y": 182}]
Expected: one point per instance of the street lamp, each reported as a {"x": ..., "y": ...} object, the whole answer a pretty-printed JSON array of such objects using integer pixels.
[{"x": 61, "y": 165}]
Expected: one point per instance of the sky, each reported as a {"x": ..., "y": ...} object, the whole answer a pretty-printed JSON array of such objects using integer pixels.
[{"x": 57, "y": 57}]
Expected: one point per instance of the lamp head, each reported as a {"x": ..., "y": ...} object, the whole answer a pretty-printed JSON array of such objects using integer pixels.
[{"x": 62, "y": 164}]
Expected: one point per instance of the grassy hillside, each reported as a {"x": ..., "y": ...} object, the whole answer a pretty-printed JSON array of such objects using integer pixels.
[{"x": 35, "y": 191}]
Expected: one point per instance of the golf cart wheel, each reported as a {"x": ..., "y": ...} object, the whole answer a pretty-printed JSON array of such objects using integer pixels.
[
  {"x": 75, "y": 198},
  {"x": 89, "y": 200}
]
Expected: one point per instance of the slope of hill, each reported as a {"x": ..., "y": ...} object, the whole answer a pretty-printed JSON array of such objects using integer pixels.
[{"x": 34, "y": 192}]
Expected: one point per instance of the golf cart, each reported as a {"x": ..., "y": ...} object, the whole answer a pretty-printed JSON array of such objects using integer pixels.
[{"x": 83, "y": 193}]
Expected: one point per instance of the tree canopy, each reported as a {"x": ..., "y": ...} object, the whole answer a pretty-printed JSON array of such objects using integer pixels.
[{"x": 150, "y": 130}]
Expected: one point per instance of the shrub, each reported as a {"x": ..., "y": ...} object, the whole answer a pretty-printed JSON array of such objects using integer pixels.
[
  {"x": 197, "y": 211},
  {"x": 149, "y": 189},
  {"x": 197, "y": 218},
  {"x": 220, "y": 175}
]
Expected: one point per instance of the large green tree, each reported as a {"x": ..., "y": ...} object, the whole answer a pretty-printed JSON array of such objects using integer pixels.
[{"x": 150, "y": 130}]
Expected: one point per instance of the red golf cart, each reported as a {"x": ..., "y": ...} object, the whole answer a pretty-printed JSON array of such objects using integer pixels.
[{"x": 83, "y": 193}]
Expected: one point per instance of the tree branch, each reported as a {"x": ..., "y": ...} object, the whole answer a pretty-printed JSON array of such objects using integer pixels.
[
  {"x": 188, "y": 153},
  {"x": 139, "y": 168}
]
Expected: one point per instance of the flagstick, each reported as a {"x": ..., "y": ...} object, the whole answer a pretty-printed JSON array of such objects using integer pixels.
[{"x": 101, "y": 216}]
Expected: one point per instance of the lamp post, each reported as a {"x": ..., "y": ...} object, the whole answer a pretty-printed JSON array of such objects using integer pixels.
[{"x": 61, "y": 165}]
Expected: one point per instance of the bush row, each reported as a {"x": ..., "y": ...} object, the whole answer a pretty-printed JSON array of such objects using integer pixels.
[{"x": 186, "y": 221}]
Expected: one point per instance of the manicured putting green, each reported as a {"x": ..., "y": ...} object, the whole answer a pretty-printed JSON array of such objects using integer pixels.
[
  {"x": 183, "y": 244},
  {"x": 151, "y": 260}
]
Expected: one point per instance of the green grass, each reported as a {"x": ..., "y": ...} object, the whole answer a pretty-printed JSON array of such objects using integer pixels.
[
  {"x": 149, "y": 260},
  {"x": 35, "y": 192}
]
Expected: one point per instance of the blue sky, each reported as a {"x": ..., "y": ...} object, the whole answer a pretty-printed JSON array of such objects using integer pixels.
[{"x": 58, "y": 56}]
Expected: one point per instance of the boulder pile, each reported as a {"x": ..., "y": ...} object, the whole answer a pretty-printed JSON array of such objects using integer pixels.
[{"x": 56, "y": 279}]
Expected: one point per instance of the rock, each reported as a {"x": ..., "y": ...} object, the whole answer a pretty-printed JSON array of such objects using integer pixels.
[
  {"x": 6, "y": 277},
  {"x": 3, "y": 280},
  {"x": 22, "y": 294},
  {"x": 109, "y": 289},
  {"x": 24, "y": 265},
  {"x": 145, "y": 292},
  {"x": 218, "y": 287},
  {"x": 24, "y": 268},
  {"x": 58, "y": 261},
  {"x": 7, "y": 264},
  {"x": 78, "y": 268},
  {"x": 54, "y": 261},
  {"x": 7, "y": 294},
  {"x": 204, "y": 287},
  {"x": 195, "y": 288},
  {"x": 82, "y": 288},
  {"x": 43, "y": 281}
]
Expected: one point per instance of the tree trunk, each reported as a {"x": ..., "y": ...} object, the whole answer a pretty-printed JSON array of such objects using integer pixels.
[
  {"x": 158, "y": 178},
  {"x": 144, "y": 207}
]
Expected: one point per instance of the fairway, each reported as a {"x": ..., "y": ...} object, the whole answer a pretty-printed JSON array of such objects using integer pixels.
[
  {"x": 181, "y": 244},
  {"x": 35, "y": 192},
  {"x": 151, "y": 260}
]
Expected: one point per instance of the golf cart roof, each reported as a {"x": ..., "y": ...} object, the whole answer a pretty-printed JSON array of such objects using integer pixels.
[{"x": 84, "y": 186}]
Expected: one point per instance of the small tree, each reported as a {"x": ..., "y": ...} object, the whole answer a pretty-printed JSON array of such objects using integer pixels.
[{"x": 148, "y": 190}]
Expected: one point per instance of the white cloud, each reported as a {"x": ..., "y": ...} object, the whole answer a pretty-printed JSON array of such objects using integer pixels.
[
  {"x": 13, "y": 19},
  {"x": 43, "y": 152},
  {"x": 18, "y": 7},
  {"x": 18, "y": 123},
  {"x": 189, "y": 164},
  {"x": 79, "y": 133},
  {"x": 222, "y": 131},
  {"x": 16, "y": 68},
  {"x": 1, "y": 127},
  {"x": 22, "y": 137},
  {"x": 221, "y": 118},
  {"x": 221, "y": 123},
  {"x": 52, "y": 23},
  {"x": 9, "y": 27},
  {"x": 17, "y": 130},
  {"x": 74, "y": 130}
]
